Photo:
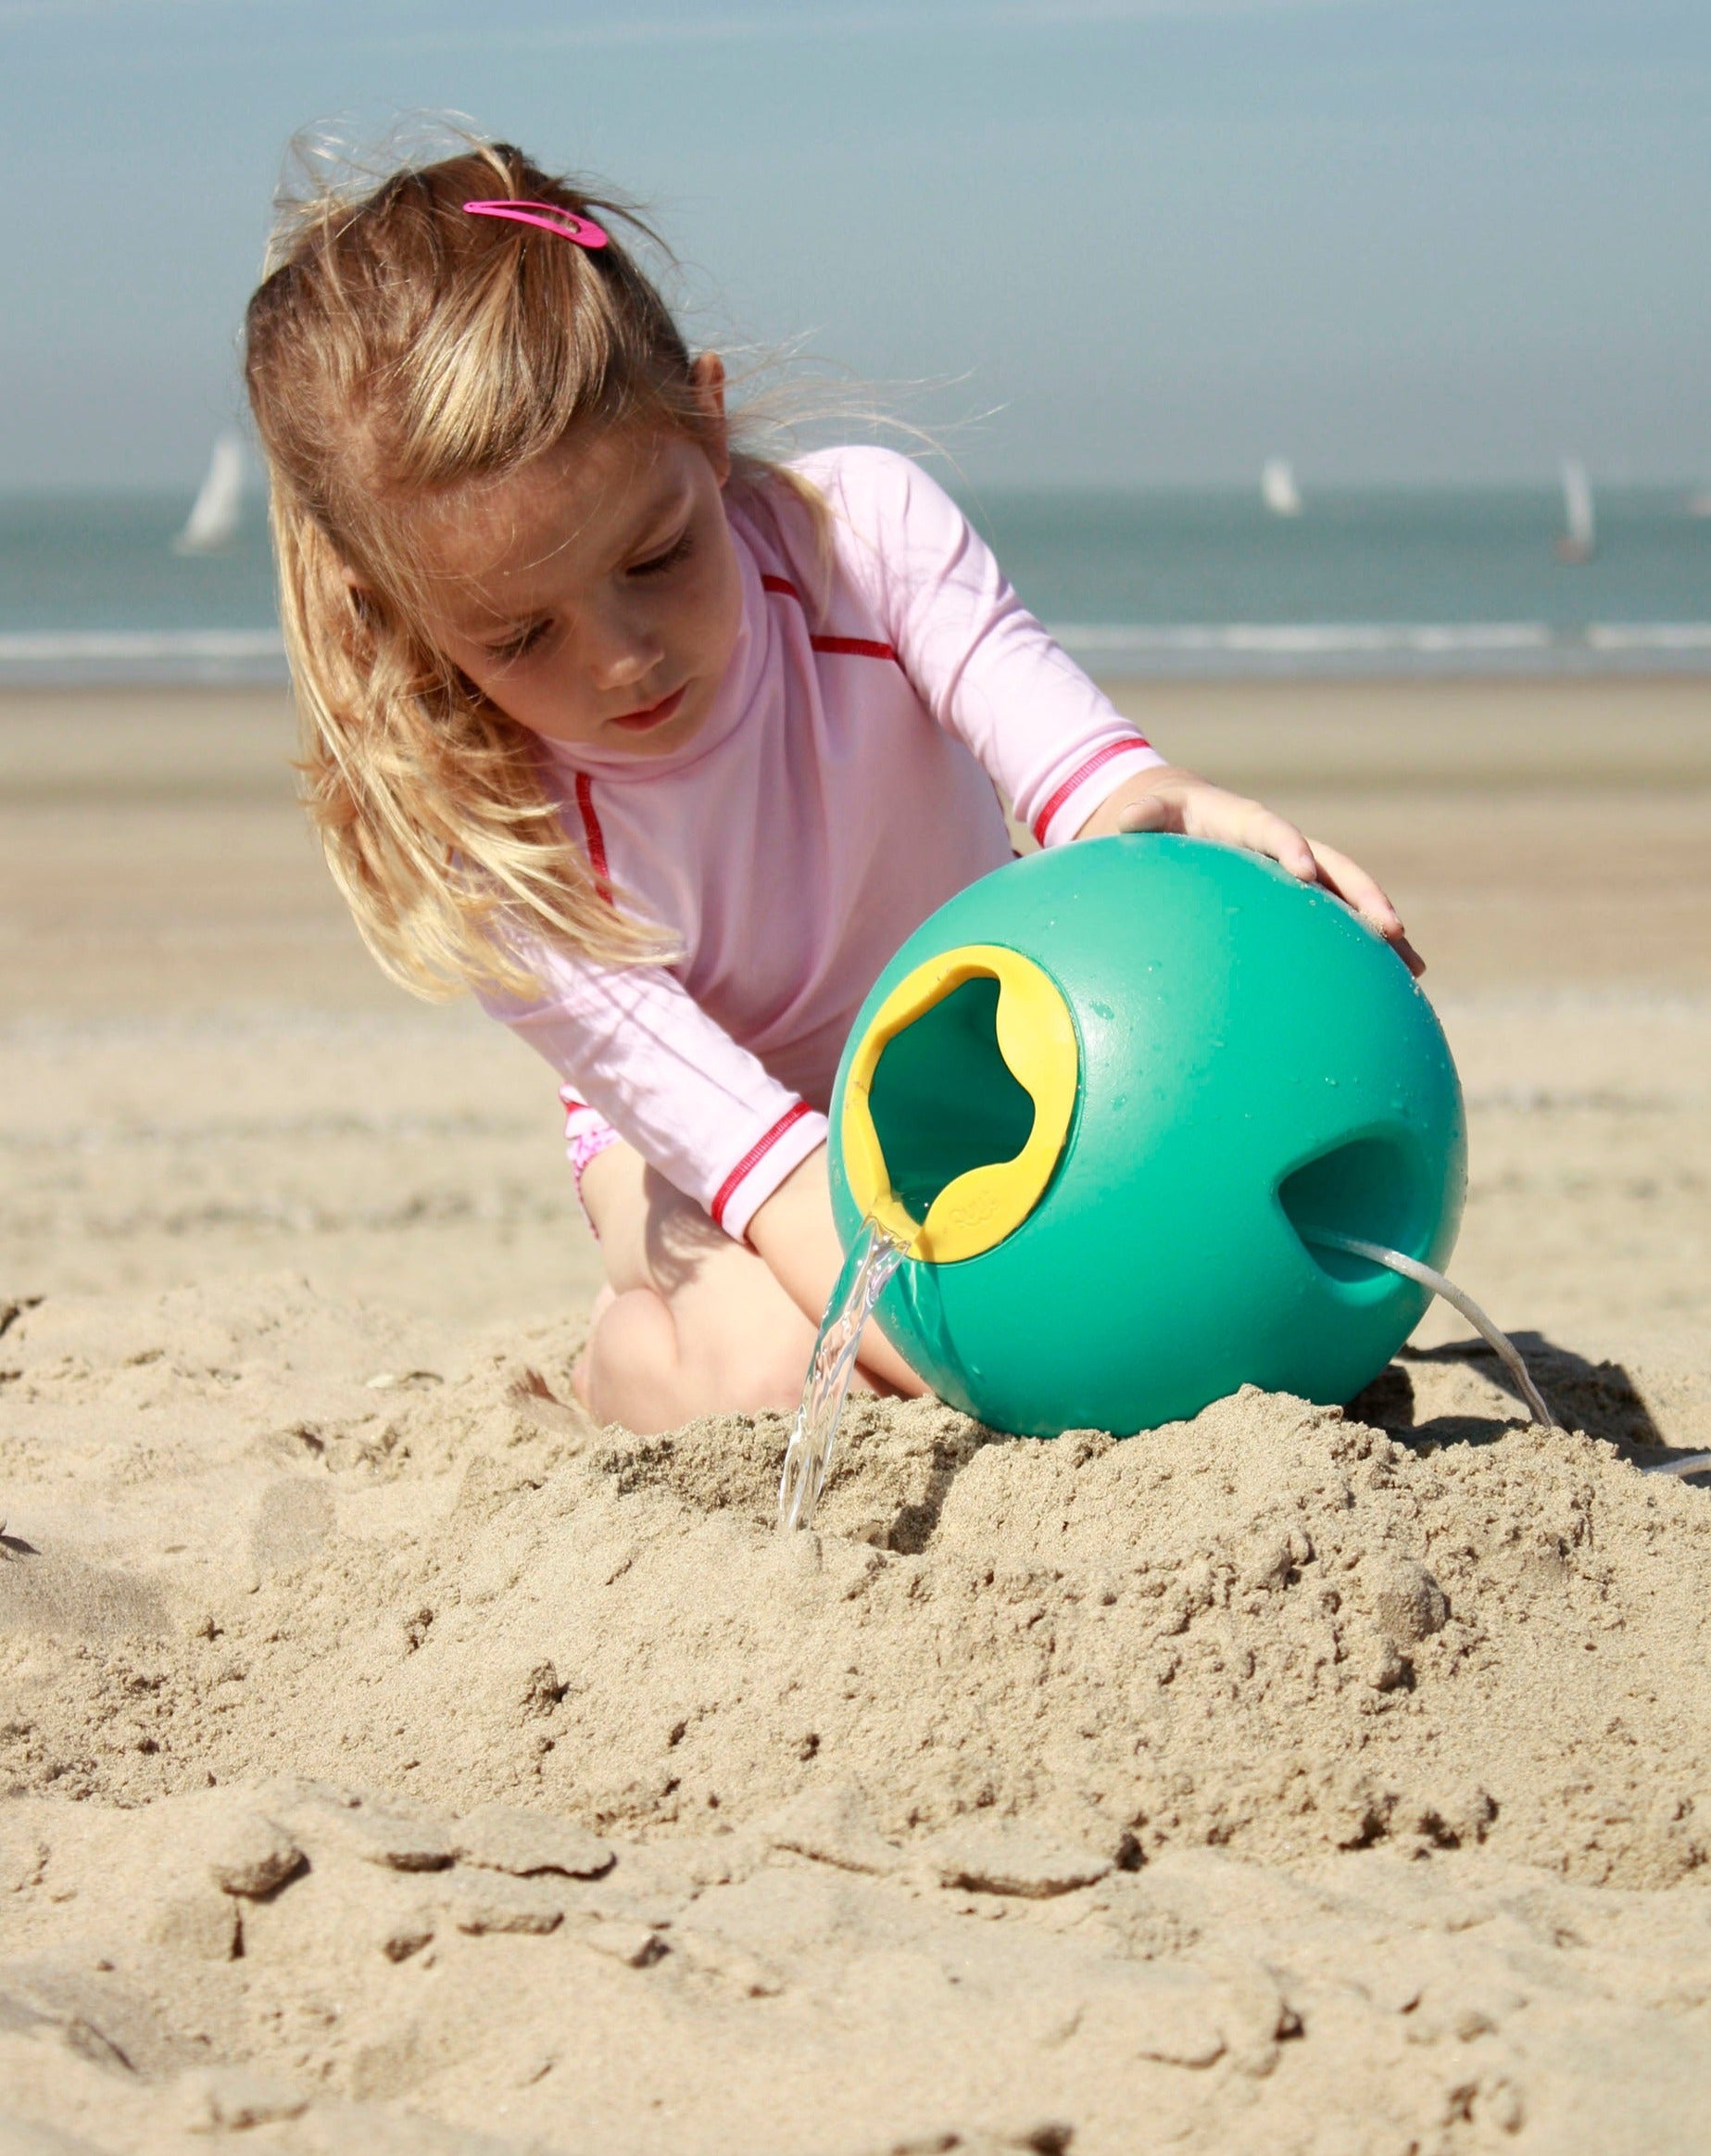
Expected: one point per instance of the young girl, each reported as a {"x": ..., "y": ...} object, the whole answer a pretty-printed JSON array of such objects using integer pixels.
[{"x": 661, "y": 749}]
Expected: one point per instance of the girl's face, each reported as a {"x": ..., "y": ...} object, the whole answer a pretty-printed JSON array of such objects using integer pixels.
[{"x": 593, "y": 597}]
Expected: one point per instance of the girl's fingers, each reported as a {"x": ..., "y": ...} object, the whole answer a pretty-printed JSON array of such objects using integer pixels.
[
  {"x": 1208, "y": 812},
  {"x": 1262, "y": 830},
  {"x": 1407, "y": 953},
  {"x": 1351, "y": 883}
]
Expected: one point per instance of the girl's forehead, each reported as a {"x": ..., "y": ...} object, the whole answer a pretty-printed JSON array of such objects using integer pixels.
[{"x": 577, "y": 510}]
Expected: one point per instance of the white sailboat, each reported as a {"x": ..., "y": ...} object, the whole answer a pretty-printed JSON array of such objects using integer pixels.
[
  {"x": 213, "y": 522},
  {"x": 1579, "y": 530},
  {"x": 1278, "y": 488}
]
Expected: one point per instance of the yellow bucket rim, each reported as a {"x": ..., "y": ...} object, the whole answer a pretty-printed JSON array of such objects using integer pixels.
[{"x": 1036, "y": 1039}]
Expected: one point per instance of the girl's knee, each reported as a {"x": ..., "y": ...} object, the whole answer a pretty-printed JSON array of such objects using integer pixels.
[
  {"x": 758, "y": 1382},
  {"x": 629, "y": 1369},
  {"x": 651, "y": 1364}
]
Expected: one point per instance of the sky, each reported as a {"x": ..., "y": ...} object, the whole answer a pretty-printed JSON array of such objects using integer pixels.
[{"x": 1084, "y": 242}]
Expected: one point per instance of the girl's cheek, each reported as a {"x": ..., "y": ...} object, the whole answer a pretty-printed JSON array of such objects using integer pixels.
[{"x": 723, "y": 597}]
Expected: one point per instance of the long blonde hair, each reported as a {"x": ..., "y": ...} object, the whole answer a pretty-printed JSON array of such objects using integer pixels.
[{"x": 398, "y": 350}]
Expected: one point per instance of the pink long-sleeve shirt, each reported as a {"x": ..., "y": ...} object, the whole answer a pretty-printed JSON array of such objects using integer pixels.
[{"x": 843, "y": 787}]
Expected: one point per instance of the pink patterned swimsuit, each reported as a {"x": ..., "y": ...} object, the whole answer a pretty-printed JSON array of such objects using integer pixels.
[{"x": 844, "y": 785}]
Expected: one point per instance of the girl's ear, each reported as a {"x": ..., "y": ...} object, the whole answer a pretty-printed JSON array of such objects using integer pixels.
[
  {"x": 707, "y": 375},
  {"x": 361, "y": 598}
]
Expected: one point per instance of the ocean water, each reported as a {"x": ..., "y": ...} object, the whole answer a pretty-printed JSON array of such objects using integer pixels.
[
  {"x": 1395, "y": 579},
  {"x": 1179, "y": 582},
  {"x": 91, "y": 591}
]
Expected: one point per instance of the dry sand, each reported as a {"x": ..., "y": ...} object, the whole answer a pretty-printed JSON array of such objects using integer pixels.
[{"x": 397, "y": 1763}]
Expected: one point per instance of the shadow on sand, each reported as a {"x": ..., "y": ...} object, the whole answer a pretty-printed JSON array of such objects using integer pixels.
[{"x": 1415, "y": 1397}]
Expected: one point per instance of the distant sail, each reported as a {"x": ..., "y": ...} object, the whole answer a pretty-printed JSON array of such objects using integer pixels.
[
  {"x": 1278, "y": 488},
  {"x": 1579, "y": 533},
  {"x": 213, "y": 523}
]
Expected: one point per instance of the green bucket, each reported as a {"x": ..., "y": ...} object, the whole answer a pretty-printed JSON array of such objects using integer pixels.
[{"x": 1100, "y": 1094}]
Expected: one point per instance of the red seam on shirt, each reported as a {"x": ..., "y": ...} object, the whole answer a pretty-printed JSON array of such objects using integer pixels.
[
  {"x": 843, "y": 647},
  {"x": 1078, "y": 777},
  {"x": 751, "y": 1159},
  {"x": 855, "y": 647},
  {"x": 595, "y": 836}
]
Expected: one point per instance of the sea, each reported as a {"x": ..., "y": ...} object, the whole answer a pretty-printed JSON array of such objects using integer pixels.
[{"x": 1180, "y": 582}]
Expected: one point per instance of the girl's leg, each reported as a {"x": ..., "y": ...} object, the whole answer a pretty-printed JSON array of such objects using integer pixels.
[{"x": 689, "y": 1322}]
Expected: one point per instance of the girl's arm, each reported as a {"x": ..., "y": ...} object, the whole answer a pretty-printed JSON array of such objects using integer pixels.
[
  {"x": 1070, "y": 764},
  {"x": 632, "y": 1043},
  {"x": 704, "y": 1114}
]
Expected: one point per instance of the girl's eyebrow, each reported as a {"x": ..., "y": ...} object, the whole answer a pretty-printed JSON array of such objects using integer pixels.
[
  {"x": 671, "y": 503},
  {"x": 665, "y": 511}
]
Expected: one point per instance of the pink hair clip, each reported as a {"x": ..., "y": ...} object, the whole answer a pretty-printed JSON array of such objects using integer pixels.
[{"x": 549, "y": 216}]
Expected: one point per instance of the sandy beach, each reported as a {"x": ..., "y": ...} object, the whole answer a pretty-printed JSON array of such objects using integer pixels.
[{"x": 397, "y": 1763}]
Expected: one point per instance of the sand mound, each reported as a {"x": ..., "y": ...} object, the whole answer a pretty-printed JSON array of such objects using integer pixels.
[{"x": 1263, "y": 1781}]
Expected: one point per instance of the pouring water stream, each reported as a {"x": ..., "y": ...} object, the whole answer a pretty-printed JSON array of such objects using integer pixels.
[
  {"x": 874, "y": 1260},
  {"x": 1537, "y": 1406},
  {"x": 1412, "y": 1269}
]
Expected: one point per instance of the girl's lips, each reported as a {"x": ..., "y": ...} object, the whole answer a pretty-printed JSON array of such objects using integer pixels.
[{"x": 655, "y": 715}]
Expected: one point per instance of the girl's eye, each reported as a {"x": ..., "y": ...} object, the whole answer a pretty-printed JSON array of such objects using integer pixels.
[
  {"x": 520, "y": 645},
  {"x": 677, "y": 552}
]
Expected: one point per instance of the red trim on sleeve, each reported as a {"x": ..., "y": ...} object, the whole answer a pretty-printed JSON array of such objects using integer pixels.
[
  {"x": 1079, "y": 778},
  {"x": 783, "y": 587},
  {"x": 595, "y": 836},
  {"x": 752, "y": 1158}
]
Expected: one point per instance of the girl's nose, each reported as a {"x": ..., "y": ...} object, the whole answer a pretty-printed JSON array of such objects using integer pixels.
[{"x": 618, "y": 651}]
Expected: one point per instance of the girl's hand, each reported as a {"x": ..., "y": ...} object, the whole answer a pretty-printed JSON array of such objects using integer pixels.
[{"x": 1167, "y": 799}]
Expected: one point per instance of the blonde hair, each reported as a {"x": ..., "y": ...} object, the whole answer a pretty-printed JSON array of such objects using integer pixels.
[{"x": 395, "y": 350}]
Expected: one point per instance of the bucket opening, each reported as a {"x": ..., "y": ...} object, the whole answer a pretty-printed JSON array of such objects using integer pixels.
[
  {"x": 958, "y": 1097},
  {"x": 943, "y": 1100},
  {"x": 1360, "y": 1188}
]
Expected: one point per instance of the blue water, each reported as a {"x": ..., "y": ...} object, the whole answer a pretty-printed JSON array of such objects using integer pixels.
[
  {"x": 1399, "y": 579},
  {"x": 1400, "y": 555},
  {"x": 1166, "y": 581}
]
